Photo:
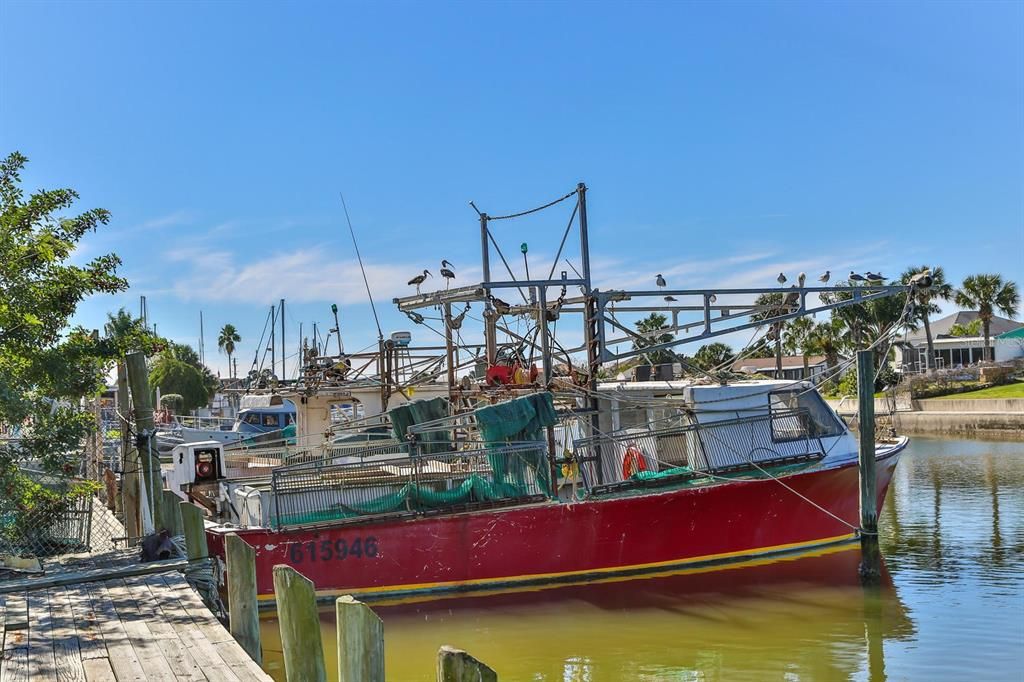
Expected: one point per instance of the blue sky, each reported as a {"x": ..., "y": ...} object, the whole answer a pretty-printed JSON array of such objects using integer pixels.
[{"x": 721, "y": 142}]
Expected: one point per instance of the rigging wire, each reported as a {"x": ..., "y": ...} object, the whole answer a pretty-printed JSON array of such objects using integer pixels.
[
  {"x": 380, "y": 334},
  {"x": 532, "y": 210}
]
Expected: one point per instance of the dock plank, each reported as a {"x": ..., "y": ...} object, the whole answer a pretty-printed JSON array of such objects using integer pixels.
[
  {"x": 199, "y": 648},
  {"x": 136, "y": 628},
  {"x": 41, "y": 662},
  {"x": 66, "y": 649},
  {"x": 90, "y": 639},
  {"x": 15, "y": 645},
  {"x": 98, "y": 670},
  {"x": 121, "y": 655}
]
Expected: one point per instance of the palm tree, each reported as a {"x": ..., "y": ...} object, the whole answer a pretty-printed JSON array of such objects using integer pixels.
[
  {"x": 799, "y": 338},
  {"x": 988, "y": 293},
  {"x": 226, "y": 341},
  {"x": 924, "y": 304},
  {"x": 775, "y": 303},
  {"x": 651, "y": 331},
  {"x": 829, "y": 339}
]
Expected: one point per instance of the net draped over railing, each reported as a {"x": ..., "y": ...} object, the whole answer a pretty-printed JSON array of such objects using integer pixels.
[{"x": 381, "y": 483}]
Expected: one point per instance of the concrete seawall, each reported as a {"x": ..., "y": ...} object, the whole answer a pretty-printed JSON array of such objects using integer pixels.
[{"x": 1002, "y": 416}]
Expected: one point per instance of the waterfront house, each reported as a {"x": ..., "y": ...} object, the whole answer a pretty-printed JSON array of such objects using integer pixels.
[
  {"x": 951, "y": 350},
  {"x": 792, "y": 367}
]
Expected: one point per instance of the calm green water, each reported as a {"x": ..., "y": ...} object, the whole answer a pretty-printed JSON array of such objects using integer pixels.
[{"x": 951, "y": 606}]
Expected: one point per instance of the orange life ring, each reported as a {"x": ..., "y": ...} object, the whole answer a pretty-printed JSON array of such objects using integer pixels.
[{"x": 633, "y": 462}]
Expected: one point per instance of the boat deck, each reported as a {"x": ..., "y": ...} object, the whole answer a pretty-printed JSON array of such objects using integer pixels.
[{"x": 111, "y": 625}]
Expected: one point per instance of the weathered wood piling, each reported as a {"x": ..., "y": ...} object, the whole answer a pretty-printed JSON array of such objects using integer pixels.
[
  {"x": 360, "y": 638},
  {"x": 870, "y": 567},
  {"x": 243, "y": 615},
  {"x": 299, "y": 622}
]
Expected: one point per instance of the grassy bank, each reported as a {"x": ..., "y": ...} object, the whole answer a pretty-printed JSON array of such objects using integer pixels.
[{"x": 1014, "y": 390}]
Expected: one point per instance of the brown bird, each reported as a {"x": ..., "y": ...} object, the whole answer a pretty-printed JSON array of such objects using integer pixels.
[{"x": 419, "y": 279}]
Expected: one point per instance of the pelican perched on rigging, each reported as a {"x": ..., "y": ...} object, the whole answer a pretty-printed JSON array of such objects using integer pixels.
[
  {"x": 801, "y": 278},
  {"x": 419, "y": 279}
]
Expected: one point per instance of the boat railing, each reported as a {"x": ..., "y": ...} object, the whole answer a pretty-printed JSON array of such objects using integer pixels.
[
  {"x": 208, "y": 423},
  {"x": 378, "y": 483},
  {"x": 688, "y": 450}
]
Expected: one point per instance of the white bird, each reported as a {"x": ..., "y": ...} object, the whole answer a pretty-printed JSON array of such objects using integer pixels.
[
  {"x": 854, "y": 277},
  {"x": 660, "y": 281},
  {"x": 801, "y": 279},
  {"x": 419, "y": 279},
  {"x": 920, "y": 277},
  {"x": 781, "y": 279},
  {"x": 824, "y": 278}
]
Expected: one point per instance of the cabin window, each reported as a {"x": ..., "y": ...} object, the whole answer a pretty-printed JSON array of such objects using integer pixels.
[
  {"x": 252, "y": 418},
  {"x": 289, "y": 419},
  {"x": 270, "y": 420},
  {"x": 801, "y": 413}
]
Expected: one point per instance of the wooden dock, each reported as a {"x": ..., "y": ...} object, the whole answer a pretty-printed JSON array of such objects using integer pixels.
[{"x": 130, "y": 627}]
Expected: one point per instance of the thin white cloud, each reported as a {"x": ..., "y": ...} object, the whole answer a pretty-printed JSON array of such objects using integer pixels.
[{"x": 304, "y": 275}]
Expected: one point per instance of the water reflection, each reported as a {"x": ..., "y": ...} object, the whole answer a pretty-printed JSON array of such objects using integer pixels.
[{"x": 949, "y": 606}]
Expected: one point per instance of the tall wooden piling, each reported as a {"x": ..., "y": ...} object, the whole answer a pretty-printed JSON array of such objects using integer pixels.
[
  {"x": 243, "y": 609},
  {"x": 194, "y": 531},
  {"x": 455, "y": 665},
  {"x": 870, "y": 567},
  {"x": 299, "y": 623},
  {"x": 129, "y": 460},
  {"x": 360, "y": 642},
  {"x": 145, "y": 427}
]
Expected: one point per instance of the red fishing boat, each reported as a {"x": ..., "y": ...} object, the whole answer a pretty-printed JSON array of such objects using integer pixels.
[{"x": 548, "y": 476}]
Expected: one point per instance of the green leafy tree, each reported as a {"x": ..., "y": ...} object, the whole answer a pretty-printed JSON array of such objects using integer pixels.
[
  {"x": 972, "y": 328},
  {"x": 799, "y": 340},
  {"x": 652, "y": 331},
  {"x": 178, "y": 370},
  {"x": 872, "y": 321},
  {"x": 713, "y": 355},
  {"x": 830, "y": 339},
  {"x": 988, "y": 293},
  {"x": 45, "y": 367},
  {"x": 126, "y": 333},
  {"x": 226, "y": 341},
  {"x": 923, "y": 304},
  {"x": 772, "y": 305}
]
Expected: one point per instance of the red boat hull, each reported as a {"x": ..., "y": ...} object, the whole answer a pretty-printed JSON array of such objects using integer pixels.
[{"x": 557, "y": 542}]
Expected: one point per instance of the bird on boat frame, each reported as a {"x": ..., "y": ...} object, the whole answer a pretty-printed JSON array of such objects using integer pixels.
[
  {"x": 447, "y": 272},
  {"x": 824, "y": 278},
  {"x": 854, "y": 277},
  {"x": 660, "y": 281},
  {"x": 781, "y": 279},
  {"x": 500, "y": 306},
  {"x": 419, "y": 279},
  {"x": 875, "y": 278}
]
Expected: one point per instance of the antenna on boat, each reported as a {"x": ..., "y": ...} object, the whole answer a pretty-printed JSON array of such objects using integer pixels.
[{"x": 380, "y": 334}]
